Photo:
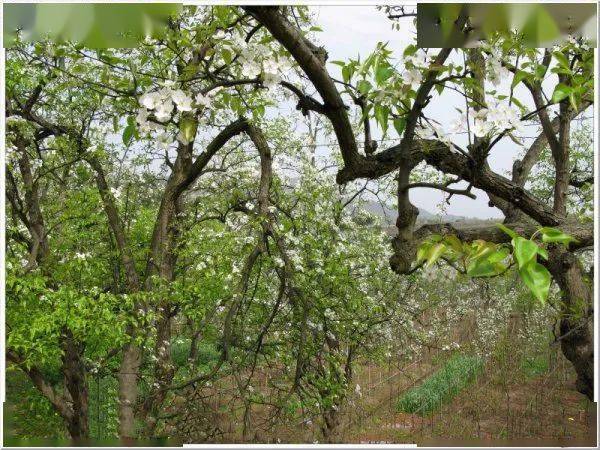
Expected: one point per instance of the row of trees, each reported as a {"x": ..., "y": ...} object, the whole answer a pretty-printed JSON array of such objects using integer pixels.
[{"x": 155, "y": 200}]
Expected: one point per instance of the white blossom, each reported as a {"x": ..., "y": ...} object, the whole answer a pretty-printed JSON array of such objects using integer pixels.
[
  {"x": 251, "y": 69},
  {"x": 219, "y": 35},
  {"x": 481, "y": 126},
  {"x": 458, "y": 125},
  {"x": 270, "y": 80},
  {"x": 150, "y": 100},
  {"x": 419, "y": 59},
  {"x": 412, "y": 77},
  {"x": 182, "y": 100},
  {"x": 142, "y": 116},
  {"x": 357, "y": 390},
  {"x": 203, "y": 100},
  {"x": 163, "y": 112},
  {"x": 164, "y": 140},
  {"x": 115, "y": 192}
]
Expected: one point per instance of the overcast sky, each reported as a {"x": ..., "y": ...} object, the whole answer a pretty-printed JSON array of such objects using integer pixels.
[{"x": 352, "y": 30}]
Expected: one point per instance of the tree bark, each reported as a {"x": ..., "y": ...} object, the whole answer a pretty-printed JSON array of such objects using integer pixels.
[
  {"x": 128, "y": 389},
  {"x": 75, "y": 383},
  {"x": 577, "y": 322}
]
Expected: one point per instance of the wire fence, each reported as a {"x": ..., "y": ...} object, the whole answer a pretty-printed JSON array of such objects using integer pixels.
[{"x": 499, "y": 402}]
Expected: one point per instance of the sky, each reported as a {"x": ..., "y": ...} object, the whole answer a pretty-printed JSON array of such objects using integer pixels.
[{"x": 352, "y": 30}]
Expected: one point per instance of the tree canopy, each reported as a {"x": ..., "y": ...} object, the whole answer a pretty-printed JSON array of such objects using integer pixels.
[{"x": 172, "y": 221}]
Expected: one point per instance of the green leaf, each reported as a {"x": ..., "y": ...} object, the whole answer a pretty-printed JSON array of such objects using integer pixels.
[
  {"x": 399, "y": 125},
  {"x": 539, "y": 26},
  {"x": 540, "y": 71},
  {"x": 128, "y": 134},
  {"x": 573, "y": 100},
  {"x": 561, "y": 92},
  {"x": 410, "y": 50},
  {"x": 481, "y": 249},
  {"x": 485, "y": 268},
  {"x": 525, "y": 250},
  {"x": 553, "y": 235},
  {"x": 543, "y": 252},
  {"x": 382, "y": 73},
  {"x": 519, "y": 104},
  {"x": 507, "y": 230},
  {"x": 520, "y": 76},
  {"x": 423, "y": 252},
  {"x": 435, "y": 252},
  {"x": 454, "y": 243},
  {"x": 537, "y": 278},
  {"x": 363, "y": 86},
  {"x": 346, "y": 74},
  {"x": 226, "y": 54},
  {"x": 561, "y": 59},
  {"x": 188, "y": 125},
  {"x": 499, "y": 255},
  {"x": 381, "y": 115},
  {"x": 371, "y": 59}
]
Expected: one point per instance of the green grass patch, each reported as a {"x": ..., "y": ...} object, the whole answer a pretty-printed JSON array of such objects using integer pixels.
[
  {"x": 207, "y": 354},
  {"x": 533, "y": 366},
  {"x": 442, "y": 386}
]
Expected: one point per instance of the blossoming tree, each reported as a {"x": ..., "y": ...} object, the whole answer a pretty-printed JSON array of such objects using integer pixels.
[
  {"x": 560, "y": 84},
  {"x": 168, "y": 228}
]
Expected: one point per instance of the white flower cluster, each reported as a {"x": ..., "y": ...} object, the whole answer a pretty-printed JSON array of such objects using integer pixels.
[
  {"x": 412, "y": 75},
  {"x": 499, "y": 116},
  {"x": 257, "y": 59},
  {"x": 496, "y": 72},
  {"x": 418, "y": 59},
  {"x": 162, "y": 103}
]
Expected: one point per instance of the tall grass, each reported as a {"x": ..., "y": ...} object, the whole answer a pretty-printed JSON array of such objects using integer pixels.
[{"x": 442, "y": 386}]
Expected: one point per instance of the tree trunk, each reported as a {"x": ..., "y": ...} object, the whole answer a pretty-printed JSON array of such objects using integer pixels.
[
  {"x": 75, "y": 383},
  {"x": 193, "y": 355},
  {"x": 163, "y": 372},
  {"x": 576, "y": 325},
  {"x": 330, "y": 425},
  {"x": 128, "y": 390}
]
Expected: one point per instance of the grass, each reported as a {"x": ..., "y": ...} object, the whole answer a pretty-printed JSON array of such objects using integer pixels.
[
  {"x": 442, "y": 386},
  {"x": 533, "y": 366},
  {"x": 180, "y": 350}
]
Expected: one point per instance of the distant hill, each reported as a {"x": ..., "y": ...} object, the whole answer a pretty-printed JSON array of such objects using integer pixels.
[{"x": 389, "y": 215}]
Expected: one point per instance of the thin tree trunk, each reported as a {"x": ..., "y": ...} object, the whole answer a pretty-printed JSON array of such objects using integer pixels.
[
  {"x": 128, "y": 390},
  {"x": 75, "y": 383}
]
